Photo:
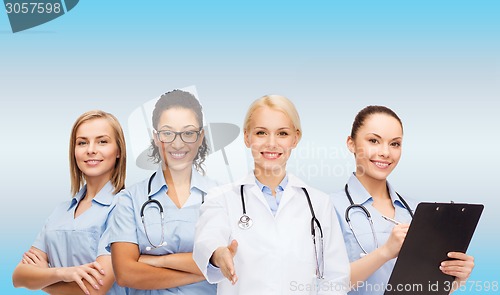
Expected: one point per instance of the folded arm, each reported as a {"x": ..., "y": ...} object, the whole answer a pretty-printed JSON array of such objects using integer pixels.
[
  {"x": 34, "y": 273},
  {"x": 176, "y": 261},
  {"x": 133, "y": 273},
  {"x": 107, "y": 281}
]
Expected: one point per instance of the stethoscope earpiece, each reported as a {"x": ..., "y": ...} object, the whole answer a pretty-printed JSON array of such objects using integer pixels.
[{"x": 149, "y": 248}]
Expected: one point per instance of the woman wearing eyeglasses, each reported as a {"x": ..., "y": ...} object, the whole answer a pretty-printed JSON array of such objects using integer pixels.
[
  {"x": 376, "y": 142},
  {"x": 69, "y": 255},
  {"x": 254, "y": 236},
  {"x": 153, "y": 226}
]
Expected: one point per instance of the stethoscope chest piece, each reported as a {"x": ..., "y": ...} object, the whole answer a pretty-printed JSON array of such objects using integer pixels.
[{"x": 245, "y": 222}]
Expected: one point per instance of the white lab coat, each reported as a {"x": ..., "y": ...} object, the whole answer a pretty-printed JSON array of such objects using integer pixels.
[{"x": 275, "y": 255}]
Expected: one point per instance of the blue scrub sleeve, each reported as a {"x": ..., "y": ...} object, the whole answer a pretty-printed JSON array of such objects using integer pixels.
[
  {"x": 122, "y": 222},
  {"x": 40, "y": 242},
  {"x": 104, "y": 241}
]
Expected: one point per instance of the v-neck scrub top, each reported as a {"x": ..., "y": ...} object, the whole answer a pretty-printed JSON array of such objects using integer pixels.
[
  {"x": 70, "y": 241},
  {"x": 376, "y": 283},
  {"x": 178, "y": 224}
]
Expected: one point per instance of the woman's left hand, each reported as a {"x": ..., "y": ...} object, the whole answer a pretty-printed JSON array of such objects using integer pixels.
[{"x": 460, "y": 266}]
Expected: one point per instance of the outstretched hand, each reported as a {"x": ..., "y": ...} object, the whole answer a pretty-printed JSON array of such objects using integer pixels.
[{"x": 223, "y": 259}]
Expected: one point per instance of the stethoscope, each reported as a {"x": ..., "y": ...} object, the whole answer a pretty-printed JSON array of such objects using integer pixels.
[
  {"x": 245, "y": 222},
  {"x": 368, "y": 216},
  {"x": 151, "y": 201}
]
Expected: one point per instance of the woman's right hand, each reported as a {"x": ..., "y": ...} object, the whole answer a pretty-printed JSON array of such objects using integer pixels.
[
  {"x": 91, "y": 272},
  {"x": 395, "y": 241},
  {"x": 35, "y": 257},
  {"x": 223, "y": 259}
]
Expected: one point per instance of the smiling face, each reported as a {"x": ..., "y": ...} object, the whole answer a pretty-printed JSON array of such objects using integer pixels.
[
  {"x": 96, "y": 149},
  {"x": 376, "y": 146},
  {"x": 271, "y": 136},
  {"x": 178, "y": 155}
]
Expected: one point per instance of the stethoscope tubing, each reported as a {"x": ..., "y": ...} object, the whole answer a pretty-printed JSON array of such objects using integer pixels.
[
  {"x": 149, "y": 201},
  {"x": 245, "y": 222},
  {"x": 368, "y": 216}
]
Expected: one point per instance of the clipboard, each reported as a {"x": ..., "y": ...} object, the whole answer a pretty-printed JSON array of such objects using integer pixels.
[{"x": 436, "y": 229}]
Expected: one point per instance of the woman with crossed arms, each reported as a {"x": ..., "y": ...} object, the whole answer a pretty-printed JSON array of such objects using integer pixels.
[
  {"x": 69, "y": 255},
  {"x": 153, "y": 224}
]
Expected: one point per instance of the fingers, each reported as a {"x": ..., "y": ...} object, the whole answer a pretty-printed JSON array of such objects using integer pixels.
[
  {"x": 228, "y": 271},
  {"x": 227, "y": 267},
  {"x": 223, "y": 258},
  {"x": 29, "y": 258},
  {"x": 91, "y": 272},
  {"x": 91, "y": 278},
  {"x": 395, "y": 241},
  {"x": 233, "y": 247},
  {"x": 82, "y": 286},
  {"x": 460, "y": 266},
  {"x": 460, "y": 256},
  {"x": 97, "y": 266},
  {"x": 401, "y": 229}
]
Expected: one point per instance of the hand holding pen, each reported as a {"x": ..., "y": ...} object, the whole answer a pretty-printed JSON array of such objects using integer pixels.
[{"x": 396, "y": 239}]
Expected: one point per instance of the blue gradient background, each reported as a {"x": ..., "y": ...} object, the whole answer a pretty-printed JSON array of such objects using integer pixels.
[{"x": 436, "y": 63}]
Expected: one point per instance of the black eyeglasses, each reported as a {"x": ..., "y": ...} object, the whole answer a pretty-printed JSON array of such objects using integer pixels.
[{"x": 188, "y": 136}]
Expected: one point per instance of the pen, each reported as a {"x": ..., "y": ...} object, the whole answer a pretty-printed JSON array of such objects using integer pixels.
[{"x": 391, "y": 220}]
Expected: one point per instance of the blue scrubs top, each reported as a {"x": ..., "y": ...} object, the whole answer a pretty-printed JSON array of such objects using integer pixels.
[
  {"x": 178, "y": 225},
  {"x": 377, "y": 282},
  {"x": 70, "y": 241}
]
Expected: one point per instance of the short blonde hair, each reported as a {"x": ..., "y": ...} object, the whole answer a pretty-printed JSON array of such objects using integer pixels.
[
  {"x": 278, "y": 103},
  {"x": 119, "y": 173}
]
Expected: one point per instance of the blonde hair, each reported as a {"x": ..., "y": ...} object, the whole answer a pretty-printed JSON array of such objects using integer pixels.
[
  {"x": 278, "y": 103},
  {"x": 119, "y": 173}
]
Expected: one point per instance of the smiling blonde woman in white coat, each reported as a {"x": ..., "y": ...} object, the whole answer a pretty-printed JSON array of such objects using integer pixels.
[{"x": 274, "y": 252}]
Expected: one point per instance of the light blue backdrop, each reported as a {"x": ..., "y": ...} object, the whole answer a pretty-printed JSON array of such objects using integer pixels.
[{"x": 436, "y": 63}]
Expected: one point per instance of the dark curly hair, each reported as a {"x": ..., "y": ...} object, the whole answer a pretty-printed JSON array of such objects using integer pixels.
[{"x": 180, "y": 99}]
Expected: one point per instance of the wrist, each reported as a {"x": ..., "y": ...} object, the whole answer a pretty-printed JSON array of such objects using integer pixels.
[
  {"x": 213, "y": 259},
  {"x": 57, "y": 274},
  {"x": 165, "y": 261},
  {"x": 385, "y": 253}
]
